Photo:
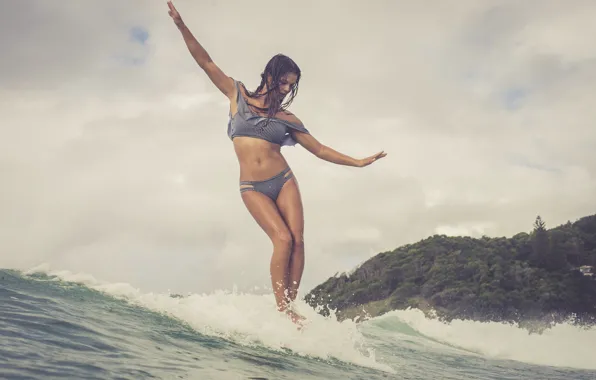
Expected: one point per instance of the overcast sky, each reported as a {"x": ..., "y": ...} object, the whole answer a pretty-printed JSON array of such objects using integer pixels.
[{"x": 114, "y": 158}]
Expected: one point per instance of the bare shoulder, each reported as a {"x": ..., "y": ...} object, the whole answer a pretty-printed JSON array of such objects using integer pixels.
[{"x": 289, "y": 116}]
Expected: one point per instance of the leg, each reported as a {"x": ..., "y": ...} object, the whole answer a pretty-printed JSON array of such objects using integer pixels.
[
  {"x": 265, "y": 213},
  {"x": 289, "y": 203}
]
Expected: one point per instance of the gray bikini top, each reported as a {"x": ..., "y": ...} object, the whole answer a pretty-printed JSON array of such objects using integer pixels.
[{"x": 246, "y": 123}]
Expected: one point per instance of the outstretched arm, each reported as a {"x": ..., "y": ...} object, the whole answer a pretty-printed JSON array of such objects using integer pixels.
[
  {"x": 223, "y": 82},
  {"x": 329, "y": 154}
]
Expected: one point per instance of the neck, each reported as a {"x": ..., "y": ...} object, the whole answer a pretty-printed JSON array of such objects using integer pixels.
[
  {"x": 263, "y": 91},
  {"x": 263, "y": 95}
]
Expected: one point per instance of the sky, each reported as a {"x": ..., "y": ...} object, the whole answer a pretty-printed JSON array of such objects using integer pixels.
[{"x": 114, "y": 158}]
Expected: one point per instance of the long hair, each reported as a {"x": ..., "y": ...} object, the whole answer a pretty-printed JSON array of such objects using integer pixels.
[{"x": 277, "y": 67}]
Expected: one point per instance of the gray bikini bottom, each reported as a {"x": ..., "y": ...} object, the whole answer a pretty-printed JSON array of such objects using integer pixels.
[{"x": 270, "y": 187}]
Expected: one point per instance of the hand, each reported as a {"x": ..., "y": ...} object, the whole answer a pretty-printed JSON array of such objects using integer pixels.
[
  {"x": 174, "y": 14},
  {"x": 369, "y": 160}
]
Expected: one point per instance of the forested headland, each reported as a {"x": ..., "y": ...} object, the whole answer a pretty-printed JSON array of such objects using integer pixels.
[{"x": 543, "y": 275}]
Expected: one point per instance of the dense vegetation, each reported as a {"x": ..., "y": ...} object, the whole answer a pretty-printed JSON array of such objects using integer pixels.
[{"x": 528, "y": 277}]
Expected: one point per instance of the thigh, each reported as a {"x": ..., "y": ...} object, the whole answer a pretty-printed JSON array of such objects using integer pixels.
[
  {"x": 265, "y": 213},
  {"x": 289, "y": 203}
]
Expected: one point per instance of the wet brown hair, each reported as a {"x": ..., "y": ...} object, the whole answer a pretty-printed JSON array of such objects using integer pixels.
[{"x": 278, "y": 66}]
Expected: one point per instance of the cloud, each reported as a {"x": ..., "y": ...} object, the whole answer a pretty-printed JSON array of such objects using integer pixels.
[{"x": 114, "y": 158}]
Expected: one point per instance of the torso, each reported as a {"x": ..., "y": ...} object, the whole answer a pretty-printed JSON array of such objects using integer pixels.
[{"x": 259, "y": 159}]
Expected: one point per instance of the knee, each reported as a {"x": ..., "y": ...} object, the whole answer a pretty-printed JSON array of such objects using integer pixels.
[
  {"x": 283, "y": 240},
  {"x": 298, "y": 241}
]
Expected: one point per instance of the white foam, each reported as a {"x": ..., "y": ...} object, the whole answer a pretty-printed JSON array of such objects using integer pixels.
[
  {"x": 563, "y": 345},
  {"x": 247, "y": 319}
]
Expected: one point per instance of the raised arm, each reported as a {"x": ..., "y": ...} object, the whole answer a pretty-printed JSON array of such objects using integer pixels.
[
  {"x": 310, "y": 143},
  {"x": 223, "y": 82}
]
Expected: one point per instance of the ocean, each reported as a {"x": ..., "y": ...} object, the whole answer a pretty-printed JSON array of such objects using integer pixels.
[{"x": 58, "y": 324}]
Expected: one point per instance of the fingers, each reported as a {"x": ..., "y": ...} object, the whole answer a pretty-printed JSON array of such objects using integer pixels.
[
  {"x": 173, "y": 12},
  {"x": 369, "y": 160},
  {"x": 374, "y": 157},
  {"x": 381, "y": 154}
]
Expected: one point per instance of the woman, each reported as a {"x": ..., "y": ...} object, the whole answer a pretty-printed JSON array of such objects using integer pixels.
[{"x": 259, "y": 126}]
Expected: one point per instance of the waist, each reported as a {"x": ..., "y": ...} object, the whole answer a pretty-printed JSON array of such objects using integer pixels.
[{"x": 258, "y": 159}]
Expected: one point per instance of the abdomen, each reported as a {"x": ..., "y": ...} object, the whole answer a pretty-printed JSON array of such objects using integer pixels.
[{"x": 258, "y": 159}]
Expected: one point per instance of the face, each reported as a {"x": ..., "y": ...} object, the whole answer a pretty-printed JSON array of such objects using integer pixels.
[{"x": 286, "y": 83}]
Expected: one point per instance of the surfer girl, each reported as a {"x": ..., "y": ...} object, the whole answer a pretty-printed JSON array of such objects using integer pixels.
[{"x": 259, "y": 125}]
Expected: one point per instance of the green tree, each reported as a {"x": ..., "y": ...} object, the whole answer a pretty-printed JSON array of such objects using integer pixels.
[
  {"x": 561, "y": 244},
  {"x": 540, "y": 243}
]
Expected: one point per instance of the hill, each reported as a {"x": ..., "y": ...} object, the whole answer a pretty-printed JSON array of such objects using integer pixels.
[{"x": 527, "y": 277}]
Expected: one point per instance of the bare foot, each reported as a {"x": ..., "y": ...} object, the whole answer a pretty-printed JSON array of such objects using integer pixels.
[{"x": 296, "y": 318}]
